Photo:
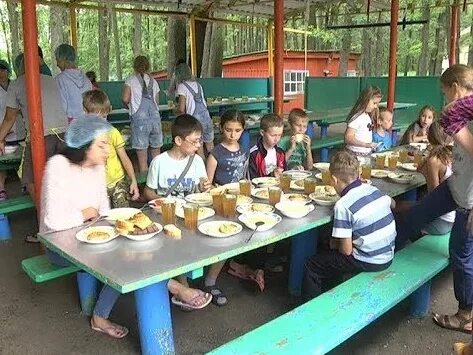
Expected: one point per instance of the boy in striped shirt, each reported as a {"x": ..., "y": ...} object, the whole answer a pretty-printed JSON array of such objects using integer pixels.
[{"x": 363, "y": 228}]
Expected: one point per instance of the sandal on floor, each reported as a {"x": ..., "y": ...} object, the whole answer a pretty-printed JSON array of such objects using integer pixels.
[
  {"x": 32, "y": 238},
  {"x": 444, "y": 322},
  {"x": 257, "y": 276},
  {"x": 218, "y": 297},
  {"x": 189, "y": 306},
  {"x": 115, "y": 331}
]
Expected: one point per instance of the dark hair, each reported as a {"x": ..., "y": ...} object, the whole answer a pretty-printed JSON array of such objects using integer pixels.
[
  {"x": 92, "y": 76},
  {"x": 232, "y": 116},
  {"x": 76, "y": 155},
  {"x": 440, "y": 143},
  {"x": 459, "y": 74},
  {"x": 271, "y": 120},
  {"x": 184, "y": 125},
  {"x": 40, "y": 52},
  {"x": 406, "y": 138},
  {"x": 296, "y": 113}
]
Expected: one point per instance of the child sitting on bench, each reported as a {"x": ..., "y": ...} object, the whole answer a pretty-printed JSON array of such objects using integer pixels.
[{"x": 363, "y": 233}]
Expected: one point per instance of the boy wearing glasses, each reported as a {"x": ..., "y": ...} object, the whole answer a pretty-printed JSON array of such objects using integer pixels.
[{"x": 166, "y": 168}]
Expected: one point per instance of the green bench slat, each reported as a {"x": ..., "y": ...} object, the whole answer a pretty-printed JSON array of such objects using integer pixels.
[
  {"x": 16, "y": 204},
  {"x": 328, "y": 320},
  {"x": 141, "y": 177},
  {"x": 40, "y": 269},
  {"x": 327, "y": 142}
]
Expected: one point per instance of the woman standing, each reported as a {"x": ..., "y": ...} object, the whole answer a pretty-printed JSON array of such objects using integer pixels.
[{"x": 141, "y": 96}]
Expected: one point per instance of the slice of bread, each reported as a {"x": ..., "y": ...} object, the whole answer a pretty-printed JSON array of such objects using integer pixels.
[
  {"x": 172, "y": 231},
  {"x": 124, "y": 227},
  {"x": 141, "y": 220}
]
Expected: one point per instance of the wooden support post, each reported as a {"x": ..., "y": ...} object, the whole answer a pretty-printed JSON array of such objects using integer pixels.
[
  {"x": 193, "y": 45},
  {"x": 392, "y": 73},
  {"x": 73, "y": 23},
  {"x": 278, "y": 56},
  {"x": 270, "y": 50},
  {"x": 453, "y": 33},
  {"x": 33, "y": 90}
]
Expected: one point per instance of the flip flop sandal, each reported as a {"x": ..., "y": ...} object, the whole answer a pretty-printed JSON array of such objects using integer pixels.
[
  {"x": 188, "y": 306},
  {"x": 238, "y": 274},
  {"x": 218, "y": 297},
  {"x": 257, "y": 277},
  {"x": 444, "y": 322},
  {"x": 112, "y": 331}
]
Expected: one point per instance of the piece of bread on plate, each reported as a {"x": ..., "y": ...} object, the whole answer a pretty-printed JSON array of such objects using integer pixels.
[
  {"x": 141, "y": 220},
  {"x": 124, "y": 227},
  {"x": 172, "y": 231}
]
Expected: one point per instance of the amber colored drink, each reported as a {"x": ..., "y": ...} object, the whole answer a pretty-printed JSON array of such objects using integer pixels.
[
  {"x": 274, "y": 195},
  {"x": 229, "y": 205},
  {"x": 285, "y": 183},
  {"x": 366, "y": 172},
  {"x": 403, "y": 157},
  {"x": 191, "y": 216},
  {"x": 309, "y": 185},
  {"x": 326, "y": 177},
  {"x": 245, "y": 187},
  {"x": 380, "y": 160},
  {"x": 168, "y": 210},
  {"x": 392, "y": 162},
  {"x": 217, "y": 199},
  {"x": 418, "y": 158}
]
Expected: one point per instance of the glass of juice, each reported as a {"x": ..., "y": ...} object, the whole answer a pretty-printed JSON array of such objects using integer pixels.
[
  {"x": 309, "y": 185},
  {"x": 285, "y": 183},
  {"x": 217, "y": 199},
  {"x": 326, "y": 177},
  {"x": 418, "y": 158},
  {"x": 229, "y": 205},
  {"x": 168, "y": 210},
  {"x": 191, "y": 215},
  {"x": 380, "y": 161},
  {"x": 274, "y": 195},
  {"x": 366, "y": 172},
  {"x": 245, "y": 187},
  {"x": 403, "y": 157},
  {"x": 392, "y": 162}
]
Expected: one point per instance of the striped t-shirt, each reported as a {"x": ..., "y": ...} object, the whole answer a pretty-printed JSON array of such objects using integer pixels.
[{"x": 363, "y": 213}]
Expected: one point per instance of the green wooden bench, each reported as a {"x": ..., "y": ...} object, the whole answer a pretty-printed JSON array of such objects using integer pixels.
[
  {"x": 321, "y": 324},
  {"x": 324, "y": 144},
  {"x": 16, "y": 204},
  {"x": 40, "y": 269}
]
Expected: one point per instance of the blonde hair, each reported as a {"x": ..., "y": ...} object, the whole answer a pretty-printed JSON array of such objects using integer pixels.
[
  {"x": 362, "y": 103},
  {"x": 296, "y": 113},
  {"x": 441, "y": 143},
  {"x": 459, "y": 74},
  {"x": 141, "y": 65},
  {"x": 344, "y": 166},
  {"x": 96, "y": 101},
  {"x": 270, "y": 120}
]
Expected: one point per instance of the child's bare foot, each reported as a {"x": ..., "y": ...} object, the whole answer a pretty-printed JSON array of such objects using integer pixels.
[{"x": 103, "y": 325}]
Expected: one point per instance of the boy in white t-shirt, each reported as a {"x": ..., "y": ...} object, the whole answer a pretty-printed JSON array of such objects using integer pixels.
[{"x": 358, "y": 135}]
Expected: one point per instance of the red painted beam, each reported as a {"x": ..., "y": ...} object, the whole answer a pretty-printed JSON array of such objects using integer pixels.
[
  {"x": 453, "y": 34},
  {"x": 278, "y": 56},
  {"x": 33, "y": 90},
  {"x": 392, "y": 72}
]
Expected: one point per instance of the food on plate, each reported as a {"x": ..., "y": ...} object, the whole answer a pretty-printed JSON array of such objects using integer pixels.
[
  {"x": 138, "y": 224},
  {"x": 124, "y": 227},
  {"x": 97, "y": 235},
  {"x": 380, "y": 174},
  {"x": 296, "y": 198},
  {"x": 172, "y": 231},
  {"x": 263, "y": 194},
  {"x": 228, "y": 228},
  {"x": 243, "y": 199}
]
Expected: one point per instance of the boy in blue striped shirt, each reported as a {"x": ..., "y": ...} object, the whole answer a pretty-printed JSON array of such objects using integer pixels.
[{"x": 363, "y": 228}]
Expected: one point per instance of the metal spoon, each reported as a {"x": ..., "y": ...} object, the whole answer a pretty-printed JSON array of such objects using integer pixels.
[{"x": 257, "y": 225}]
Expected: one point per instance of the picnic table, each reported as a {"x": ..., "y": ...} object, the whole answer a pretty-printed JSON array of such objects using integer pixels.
[{"x": 145, "y": 267}]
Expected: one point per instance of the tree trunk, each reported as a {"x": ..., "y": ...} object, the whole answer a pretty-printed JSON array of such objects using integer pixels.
[
  {"x": 424, "y": 54},
  {"x": 346, "y": 48},
  {"x": 216, "y": 52},
  {"x": 176, "y": 41},
  {"x": 408, "y": 59},
  {"x": 14, "y": 26},
  {"x": 457, "y": 47},
  {"x": 312, "y": 21},
  {"x": 116, "y": 40},
  {"x": 137, "y": 48},
  {"x": 470, "y": 47},
  {"x": 378, "y": 55},
  {"x": 200, "y": 30},
  {"x": 5, "y": 36},
  {"x": 443, "y": 23},
  {"x": 366, "y": 50},
  {"x": 104, "y": 45},
  {"x": 56, "y": 34},
  {"x": 204, "y": 71}
]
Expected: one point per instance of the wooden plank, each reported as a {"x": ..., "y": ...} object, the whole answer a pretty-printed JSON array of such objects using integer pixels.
[
  {"x": 16, "y": 204},
  {"x": 327, "y": 142},
  {"x": 328, "y": 320},
  {"x": 40, "y": 269}
]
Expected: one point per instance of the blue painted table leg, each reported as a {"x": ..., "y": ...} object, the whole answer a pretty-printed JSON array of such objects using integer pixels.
[
  {"x": 5, "y": 232},
  {"x": 310, "y": 130},
  {"x": 420, "y": 301},
  {"x": 245, "y": 140},
  {"x": 323, "y": 131},
  {"x": 324, "y": 154},
  {"x": 303, "y": 245},
  {"x": 87, "y": 285},
  {"x": 154, "y": 319}
]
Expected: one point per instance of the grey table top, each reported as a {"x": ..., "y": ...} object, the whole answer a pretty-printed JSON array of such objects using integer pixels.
[{"x": 127, "y": 265}]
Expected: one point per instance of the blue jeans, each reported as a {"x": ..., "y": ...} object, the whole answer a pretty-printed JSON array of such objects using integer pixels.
[
  {"x": 107, "y": 296},
  {"x": 438, "y": 202},
  {"x": 146, "y": 130}
]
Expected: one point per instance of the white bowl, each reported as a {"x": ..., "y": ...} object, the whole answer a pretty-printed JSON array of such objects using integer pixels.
[
  {"x": 294, "y": 209},
  {"x": 268, "y": 218}
]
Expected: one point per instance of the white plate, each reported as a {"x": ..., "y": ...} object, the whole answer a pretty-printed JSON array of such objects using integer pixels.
[
  {"x": 409, "y": 166},
  {"x": 296, "y": 198},
  {"x": 294, "y": 209},
  {"x": 204, "y": 213},
  {"x": 121, "y": 213},
  {"x": 379, "y": 173},
  {"x": 420, "y": 146},
  {"x": 268, "y": 218},
  {"x": 261, "y": 193},
  {"x": 201, "y": 199},
  {"x": 141, "y": 237},
  {"x": 318, "y": 176},
  {"x": 401, "y": 178},
  {"x": 297, "y": 174},
  {"x": 232, "y": 188},
  {"x": 243, "y": 200},
  {"x": 322, "y": 166},
  {"x": 82, "y": 235},
  {"x": 297, "y": 185},
  {"x": 212, "y": 229},
  {"x": 155, "y": 204},
  {"x": 265, "y": 181},
  {"x": 366, "y": 181},
  {"x": 254, "y": 207},
  {"x": 324, "y": 195}
]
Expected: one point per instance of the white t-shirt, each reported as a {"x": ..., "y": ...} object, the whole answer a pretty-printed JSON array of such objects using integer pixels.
[
  {"x": 137, "y": 90},
  {"x": 362, "y": 127},
  {"x": 182, "y": 90},
  {"x": 18, "y": 130},
  {"x": 450, "y": 216},
  {"x": 164, "y": 171},
  {"x": 270, "y": 160}
]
